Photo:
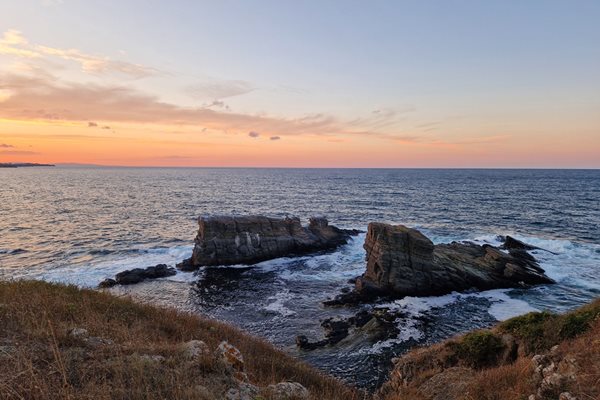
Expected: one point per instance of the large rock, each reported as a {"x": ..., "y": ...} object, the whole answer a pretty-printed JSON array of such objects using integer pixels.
[
  {"x": 403, "y": 262},
  {"x": 227, "y": 240}
]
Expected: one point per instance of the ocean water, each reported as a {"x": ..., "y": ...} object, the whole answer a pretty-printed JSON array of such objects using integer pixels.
[{"x": 81, "y": 225}]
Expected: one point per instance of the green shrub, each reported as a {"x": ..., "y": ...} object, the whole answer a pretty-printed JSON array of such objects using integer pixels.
[
  {"x": 479, "y": 349},
  {"x": 531, "y": 330},
  {"x": 577, "y": 323}
]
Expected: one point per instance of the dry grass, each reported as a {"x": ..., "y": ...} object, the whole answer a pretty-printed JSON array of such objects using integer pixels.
[
  {"x": 496, "y": 377},
  {"x": 39, "y": 360},
  {"x": 514, "y": 381}
]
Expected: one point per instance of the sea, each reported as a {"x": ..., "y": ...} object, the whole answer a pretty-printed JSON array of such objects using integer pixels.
[{"x": 80, "y": 225}]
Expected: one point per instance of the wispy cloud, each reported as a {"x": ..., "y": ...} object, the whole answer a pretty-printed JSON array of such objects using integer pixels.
[
  {"x": 15, "y": 44},
  {"x": 92, "y": 124},
  {"x": 217, "y": 104},
  {"x": 253, "y": 134},
  {"x": 6, "y": 146},
  {"x": 42, "y": 97},
  {"x": 275, "y": 138},
  {"x": 18, "y": 152},
  {"x": 219, "y": 90}
]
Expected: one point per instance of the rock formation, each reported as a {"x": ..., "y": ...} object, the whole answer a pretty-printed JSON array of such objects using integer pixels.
[
  {"x": 403, "y": 262},
  {"x": 137, "y": 275},
  {"x": 374, "y": 325},
  {"x": 225, "y": 240}
]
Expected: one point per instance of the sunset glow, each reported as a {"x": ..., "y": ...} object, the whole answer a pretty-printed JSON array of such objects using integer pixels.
[{"x": 227, "y": 86}]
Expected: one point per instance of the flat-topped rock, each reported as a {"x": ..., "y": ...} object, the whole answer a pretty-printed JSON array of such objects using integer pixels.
[
  {"x": 403, "y": 262},
  {"x": 228, "y": 240}
]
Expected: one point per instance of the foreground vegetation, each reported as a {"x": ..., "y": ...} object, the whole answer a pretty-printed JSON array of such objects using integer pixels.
[
  {"x": 40, "y": 359},
  {"x": 134, "y": 351},
  {"x": 535, "y": 356}
]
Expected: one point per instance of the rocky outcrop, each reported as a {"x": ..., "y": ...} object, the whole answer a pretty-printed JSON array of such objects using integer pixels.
[
  {"x": 228, "y": 240},
  {"x": 137, "y": 275},
  {"x": 403, "y": 262},
  {"x": 552, "y": 372},
  {"x": 373, "y": 325},
  {"x": 287, "y": 391}
]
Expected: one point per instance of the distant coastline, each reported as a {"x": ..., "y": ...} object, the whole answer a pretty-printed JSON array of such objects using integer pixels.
[{"x": 20, "y": 165}]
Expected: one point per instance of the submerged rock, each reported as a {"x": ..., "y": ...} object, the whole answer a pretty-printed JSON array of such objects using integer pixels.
[
  {"x": 403, "y": 262},
  {"x": 137, "y": 275},
  {"x": 366, "y": 325},
  {"x": 225, "y": 240}
]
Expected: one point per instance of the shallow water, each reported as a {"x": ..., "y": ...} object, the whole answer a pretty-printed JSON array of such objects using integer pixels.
[{"x": 81, "y": 225}]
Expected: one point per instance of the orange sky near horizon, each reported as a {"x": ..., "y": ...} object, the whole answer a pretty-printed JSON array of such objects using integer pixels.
[{"x": 148, "y": 145}]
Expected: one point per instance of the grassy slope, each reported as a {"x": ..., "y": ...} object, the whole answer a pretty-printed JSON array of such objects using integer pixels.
[
  {"x": 39, "y": 360},
  {"x": 497, "y": 363}
]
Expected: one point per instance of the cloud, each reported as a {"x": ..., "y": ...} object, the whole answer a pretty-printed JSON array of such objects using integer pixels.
[
  {"x": 253, "y": 134},
  {"x": 15, "y": 44},
  {"x": 217, "y": 104},
  {"x": 105, "y": 127},
  {"x": 275, "y": 138},
  {"x": 219, "y": 90},
  {"x": 92, "y": 124},
  {"x": 6, "y": 146},
  {"x": 44, "y": 97},
  {"x": 18, "y": 152}
]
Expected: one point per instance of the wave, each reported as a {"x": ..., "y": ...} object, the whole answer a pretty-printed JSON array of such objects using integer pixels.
[
  {"x": 12, "y": 251},
  {"x": 106, "y": 266}
]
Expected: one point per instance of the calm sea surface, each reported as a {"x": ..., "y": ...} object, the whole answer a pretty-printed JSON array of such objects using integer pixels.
[{"x": 81, "y": 225}]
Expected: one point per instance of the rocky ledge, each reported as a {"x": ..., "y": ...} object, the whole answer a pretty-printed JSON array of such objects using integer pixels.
[
  {"x": 403, "y": 262},
  {"x": 229, "y": 240}
]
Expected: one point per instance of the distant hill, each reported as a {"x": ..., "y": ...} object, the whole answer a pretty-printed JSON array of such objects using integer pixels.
[{"x": 19, "y": 165}]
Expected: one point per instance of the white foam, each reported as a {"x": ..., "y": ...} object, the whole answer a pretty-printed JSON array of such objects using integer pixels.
[
  {"x": 345, "y": 263},
  {"x": 89, "y": 275},
  {"x": 504, "y": 307},
  {"x": 277, "y": 303}
]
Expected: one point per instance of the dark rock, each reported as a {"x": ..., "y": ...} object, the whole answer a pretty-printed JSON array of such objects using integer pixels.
[
  {"x": 372, "y": 325},
  {"x": 346, "y": 298},
  {"x": 403, "y": 262},
  {"x": 303, "y": 343},
  {"x": 159, "y": 271},
  {"x": 512, "y": 243},
  {"x": 185, "y": 265},
  {"x": 109, "y": 282},
  {"x": 223, "y": 240},
  {"x": 136, "y": 275},
  {"x": 335, "y": 329},
  {"x": 361, "y": 318},
  {"x": 130, "y": 276}
]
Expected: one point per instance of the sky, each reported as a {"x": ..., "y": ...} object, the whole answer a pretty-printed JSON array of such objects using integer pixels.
[{"x": 486, "y": 84}]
